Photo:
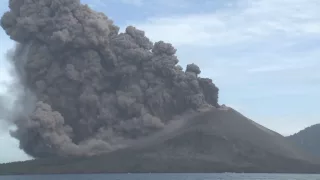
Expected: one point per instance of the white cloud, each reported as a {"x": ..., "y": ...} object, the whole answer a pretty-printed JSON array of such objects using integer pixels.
[
  {"x": 265, "y": 36},
  {"x": 104, "y": 3},
  {"x": 133, "y": 2},
  {"x": 157, "y": 3},
  {"x": 277, "y": 67},
  {"x": 246, "y": 21}
]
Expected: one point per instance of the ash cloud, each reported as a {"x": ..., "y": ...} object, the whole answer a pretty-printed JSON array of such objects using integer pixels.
[{"x": 86, "y": 87}]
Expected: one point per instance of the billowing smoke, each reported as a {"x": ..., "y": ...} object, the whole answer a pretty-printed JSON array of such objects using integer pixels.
[{"x": 87, "y": 87}]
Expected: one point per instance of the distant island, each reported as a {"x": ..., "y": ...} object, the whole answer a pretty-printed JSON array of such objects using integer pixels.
[
  {"x": 307, "y": 139},
  {"x": 94, "y": 100}
]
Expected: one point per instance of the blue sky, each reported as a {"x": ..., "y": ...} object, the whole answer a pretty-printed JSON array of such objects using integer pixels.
[{"x": 262, "y": 54}]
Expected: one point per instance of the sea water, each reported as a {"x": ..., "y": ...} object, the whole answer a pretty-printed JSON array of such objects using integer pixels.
[{"x": 224, "y": 176}]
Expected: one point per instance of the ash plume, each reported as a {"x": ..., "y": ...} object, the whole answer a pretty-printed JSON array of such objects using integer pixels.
[{"x": 93, "y": 87}]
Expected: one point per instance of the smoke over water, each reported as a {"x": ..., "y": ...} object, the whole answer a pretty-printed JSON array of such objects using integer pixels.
[{"x": 86, "y": 88}]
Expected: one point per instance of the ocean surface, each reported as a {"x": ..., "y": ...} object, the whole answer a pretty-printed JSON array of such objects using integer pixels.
[{"x": 225, "y": 176}]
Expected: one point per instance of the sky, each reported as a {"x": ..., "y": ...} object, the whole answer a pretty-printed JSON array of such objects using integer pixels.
[{"x": 262, "y": 54}]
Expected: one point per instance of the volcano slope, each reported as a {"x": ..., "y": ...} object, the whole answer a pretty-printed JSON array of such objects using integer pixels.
[{"x": 212, "y": 141}]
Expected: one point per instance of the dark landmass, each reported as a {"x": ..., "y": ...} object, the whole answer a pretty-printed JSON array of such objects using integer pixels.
[
  {"x": 217, "y": 140},
  {"x": 308, "y": 139}
]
